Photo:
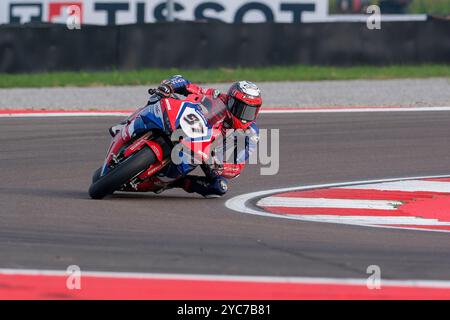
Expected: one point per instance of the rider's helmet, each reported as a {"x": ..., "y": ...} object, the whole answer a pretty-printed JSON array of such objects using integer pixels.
[{"x": 243, "y": 104}]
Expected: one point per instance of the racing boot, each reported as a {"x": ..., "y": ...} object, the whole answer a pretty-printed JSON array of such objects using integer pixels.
[{"x": 208, "y": 188}]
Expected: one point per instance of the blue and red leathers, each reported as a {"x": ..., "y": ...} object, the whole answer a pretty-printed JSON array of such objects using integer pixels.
[{"x": 215, "y": 181}]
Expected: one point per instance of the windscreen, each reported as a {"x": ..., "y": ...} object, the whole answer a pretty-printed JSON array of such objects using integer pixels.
[{"x": 214, "y": 109}]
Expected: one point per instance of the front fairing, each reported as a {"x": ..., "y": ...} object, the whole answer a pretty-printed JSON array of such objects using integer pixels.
[{"x": 154, "y": 116}]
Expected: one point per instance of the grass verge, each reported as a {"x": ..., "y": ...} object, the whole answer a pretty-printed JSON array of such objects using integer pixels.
[{"x": 281, "y": 73}]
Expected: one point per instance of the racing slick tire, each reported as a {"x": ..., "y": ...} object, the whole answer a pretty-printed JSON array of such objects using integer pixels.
[
  {"x": 121, "y": 174},
  {"x": 96, "y": 175}
]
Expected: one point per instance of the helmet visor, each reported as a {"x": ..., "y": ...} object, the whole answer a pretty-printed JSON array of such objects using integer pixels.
[{"x": 243, "y": 111}]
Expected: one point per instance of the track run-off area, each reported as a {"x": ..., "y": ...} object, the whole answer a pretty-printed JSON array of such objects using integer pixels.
[{"x": 357, "y": 187}]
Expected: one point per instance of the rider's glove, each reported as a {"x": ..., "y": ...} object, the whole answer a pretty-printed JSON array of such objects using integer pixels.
[
  {"x": 163, "y": 91},
  {"x": 226, "y": 170}
]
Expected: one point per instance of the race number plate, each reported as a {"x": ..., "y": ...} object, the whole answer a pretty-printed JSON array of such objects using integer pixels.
[{"x": 193, "y": 125}]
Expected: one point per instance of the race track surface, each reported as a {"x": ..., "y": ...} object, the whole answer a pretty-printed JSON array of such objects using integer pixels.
[{"x": 49, "y": 222}]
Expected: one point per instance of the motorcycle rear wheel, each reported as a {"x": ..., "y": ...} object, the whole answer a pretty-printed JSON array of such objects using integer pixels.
[{"x": 121, "y": 174}]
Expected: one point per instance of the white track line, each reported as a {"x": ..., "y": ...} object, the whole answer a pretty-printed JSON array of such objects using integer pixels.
[
  {"x": 407, "y": 186},
  {"x": 266, "y": 111},
  {"x": 64, "y": 114},
  {"x": 349, "y": 110},
  {"x": 232, "y": 278},
  {"x": 328, "y": 203},
  {"x": 239, "y": 203},
  {"x": 363, "y": 220}
]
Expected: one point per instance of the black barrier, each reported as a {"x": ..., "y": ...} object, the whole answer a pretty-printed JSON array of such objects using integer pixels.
[
  {"x": 52, "y": 47},
  {"x": 204, "y": 45}
]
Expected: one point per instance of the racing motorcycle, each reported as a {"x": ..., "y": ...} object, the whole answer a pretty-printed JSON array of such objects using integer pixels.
[{"x": 175, "y": 129}]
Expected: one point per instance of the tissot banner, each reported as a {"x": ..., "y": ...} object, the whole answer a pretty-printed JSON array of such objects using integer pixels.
[{"x": 110, "y": 12}]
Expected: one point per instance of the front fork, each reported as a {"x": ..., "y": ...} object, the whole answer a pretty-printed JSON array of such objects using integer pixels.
[{"x": 112, "y": 154}]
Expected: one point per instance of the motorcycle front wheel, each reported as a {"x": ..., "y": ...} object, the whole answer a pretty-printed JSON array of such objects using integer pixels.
[
  {"x": 96, "y": 174},
  {"x": 121, "y": 174}
]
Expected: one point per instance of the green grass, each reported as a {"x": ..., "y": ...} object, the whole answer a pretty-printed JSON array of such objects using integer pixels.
[
  {"x": 439, "y": 7},
  {"x": 286, "y": 73},
  {"x": 430, "y": 6}
]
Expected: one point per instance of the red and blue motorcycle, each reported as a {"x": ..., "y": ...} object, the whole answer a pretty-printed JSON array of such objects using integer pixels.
[{"x": 169, "y": 129}]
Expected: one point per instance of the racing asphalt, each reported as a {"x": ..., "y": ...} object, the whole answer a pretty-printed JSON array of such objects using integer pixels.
[{"x": 49, "y": 222}]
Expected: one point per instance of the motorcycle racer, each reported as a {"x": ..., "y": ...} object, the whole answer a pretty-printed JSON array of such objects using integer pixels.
[{"x": 243, "y": 101}]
